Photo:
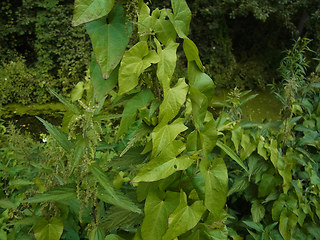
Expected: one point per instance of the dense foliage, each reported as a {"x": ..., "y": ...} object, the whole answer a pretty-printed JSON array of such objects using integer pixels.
[{"x": 142, "y": 154}]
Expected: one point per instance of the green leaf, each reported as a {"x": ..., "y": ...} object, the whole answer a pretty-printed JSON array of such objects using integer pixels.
[
  {"x": 109, "y": 194},
  {"x": 61, "y": 193},
  {"x": 248, "y": 146},
  {"x": 184, "y": 217},
  {"x": 274, "y": 152},
  {"x": 131, "y": 107},
  {"x": 77, "y": 91},
  {"x": 69, "y": 106},
  {"x": 163, "y": 135},
  {"x": 172, "y": 102},
  {"x": 165, "y": 164},
  {"x": 192, "y": 53},
  {"x": 96, "y": 234},
  {"x": 58, "y": 135},
  {"x": 48, "y": 230},
  {"x": 208, "y": 137},
  {"x": 199, "y": 107},
  {"x": 101, "y": 86},
  {"x": 257, "y": 211},
  {"x": 167, "y": 63},
  {"x": 231, "y": 154},
  {"x": 7, "y": 203},
  {"x": 157, "y": 210},
  {"x": 89, "y": 10},
  {"x": 181, "y": 18},
  {"x": 113, "y": 237},
  {"x": 236, "y": 137},
  {"x": 109, "y": 40},
  {"x": 163, "y": 28},
  {"x": 278, "y": 206},
  {"x": 288, "y": 221},
  {"x": 216, "y": 184},
  {"x": 134, "y": 62},
  {"x": 80, "y": 146}
]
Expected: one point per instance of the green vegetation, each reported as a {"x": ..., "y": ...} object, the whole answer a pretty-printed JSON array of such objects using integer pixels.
[{"x": 142, "y": 153}]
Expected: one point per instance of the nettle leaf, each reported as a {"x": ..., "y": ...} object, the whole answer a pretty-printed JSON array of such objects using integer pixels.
[
  {"x": 157, "y": 210},
  {"x": 108, "y": 193},
  {"x": 96, "y": 234},
  {"x": 181, "y": 18},
  {"x": 134, "y": 62},
  {"x": 62, "y": 193},
  {"x": 174, "y": 98},
  {"x": 109, "y": 37},
  {"x": 163, "y": 135},
  {"x": 257, "y": 211},
  {"x": 48, "y": 230},
  {"x": 167, "y": 63},
  {"x": 58, "y": 135},
  {"x": 165, "y": 164},
  {"x": 89, "y": 10},
  {"x": 184, "y": 217},
  {"x": 192, "y": 53},
  {"x": 101, "y": 86},
  {"x": 216, "y": 184},
  {"x": 131, "y": 107}
]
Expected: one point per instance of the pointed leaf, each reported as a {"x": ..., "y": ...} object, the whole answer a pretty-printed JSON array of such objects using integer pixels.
[
  {"x": 216, "y": 184},
  {"x": 89, "y": 10},
  {"x": 163, "y": 135},
  {"x": 61, "y": 193},
  {"x": 48, "y": 230},
  {"x": 192, "y": 53},
  {"x": 173, "y": 100},
  {"x": 134, "y": 62},
  {"x": 257, "y": 211},
  {"x": 165, "y": 164},
  {"x": 288, "y": 221},
  {"x": 181, "y": 18},
  {"x": 184, "y": 217},
  {"x": 70, "y": 106},
  {"x": 109, "y": 40},
  {"x": 208, "y": 137},
  {"x": 58, "y": 135}
]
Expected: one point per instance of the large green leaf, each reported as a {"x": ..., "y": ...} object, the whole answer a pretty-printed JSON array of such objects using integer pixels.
[
  {"x": 109, "y": 40},
  {"x": 134, "y": 62},
  {"x": 167, "y": 63},
  {"x": 257, "y": 211},
  {"x": 208, "y": 137},
  {"x": 216, "y": 184},
  {"x": 192, "y": 53},
  {"x": 184, "y": 217},
  {"x": 113, "y": 237},
  {"x": 96, "y": 234},
  {"x": 172, "y": 102},
  {"x": 131, "y": 107},
  {"x": 288, "y": 221},
  {"x": 165, "y": 164},
  {"x": 181, "y": 17},
  {"x": 108, "y": 193},
  {"x": 48, "y": 230},
  {"x": 199, "y": 107},
  {"x": 163, "y": 135},
  {"x": 157, "y": 209},
  {"x": 248, "y": 146},
  {"x": 164, "y": 29},
  {"x": 58, "y": 135},
  {"x": 101, "y": 86},
  {"x": 89, "y": 10}
]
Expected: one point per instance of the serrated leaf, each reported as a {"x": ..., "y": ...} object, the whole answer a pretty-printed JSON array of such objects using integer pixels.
[
  {"x": 257, "y": 211},
  {"x": 163, "y": 135},
  {"x": 7, "y": 203},
  {"x": 77, "y": 91},
  {"x": 184, "y": 217},
  {"x": 165, "y": 164},
  {"x": 109, "y": 40},
  {"x": 80, "y": 146},
  {"x": 101, "y": 86},
  {"x": 48, "y": 230},
  {"x": 167, "y": 63},
  {"x": 109, "y": 194},
  {"x": 174, "y": 98},
  {"x": 157, "y": 210},
  {"x": 61, "y": 193},
  {"x": 89, "y": 10},
  {"x": 70, "y": 106},
  {"x": 96, "y": 234},
  {"x": 134, "y": 62},
  {"x": 130, "y": 109},
  {"x": 181, "y": 17},
  {"x": 58, "y": 135},
  {"x": 231, "y": 154},
  {"x": 215, "y": 175},
  {"x": 192, "y": 53},
  {"x": 239, "y": 185}
]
